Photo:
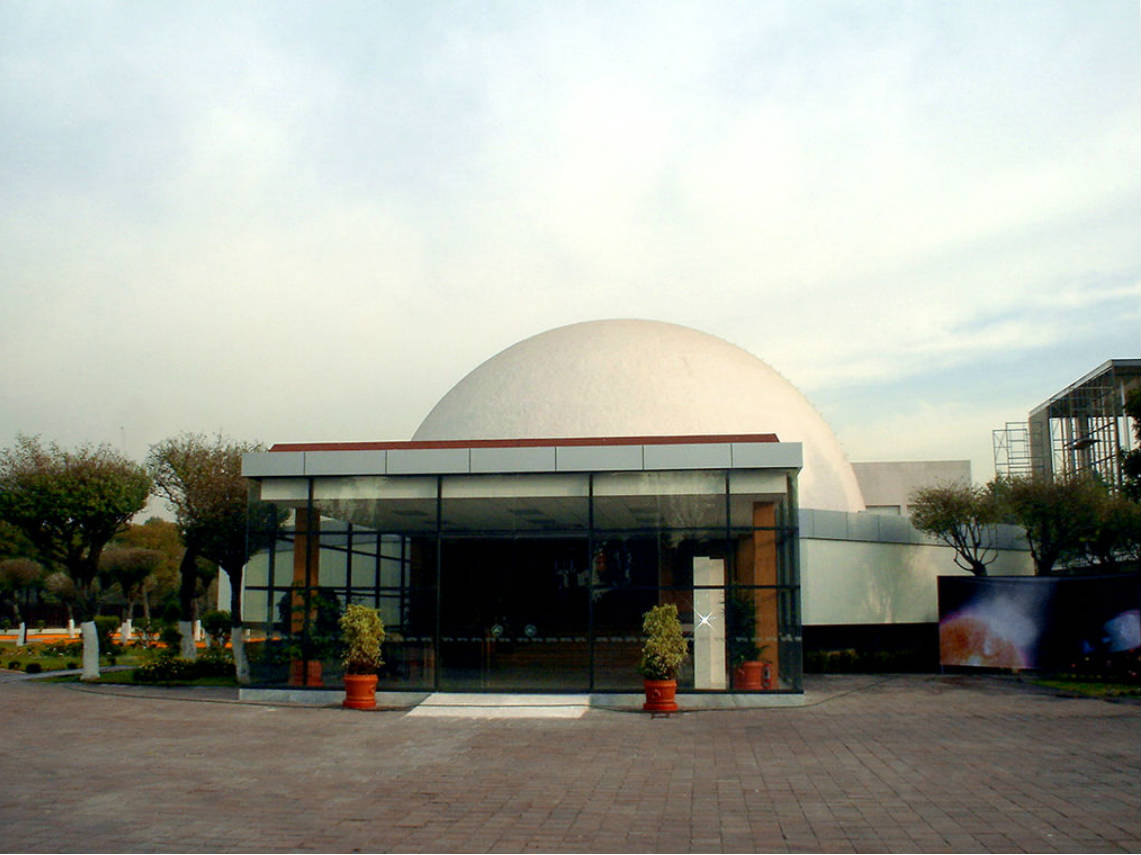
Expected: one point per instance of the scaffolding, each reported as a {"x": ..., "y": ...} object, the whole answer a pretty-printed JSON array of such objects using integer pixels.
[
  {"x": 1012, "y": 450},
  {"x": 1084, "y": 428}
]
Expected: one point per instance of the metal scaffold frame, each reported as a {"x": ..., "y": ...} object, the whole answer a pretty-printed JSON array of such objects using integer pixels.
[{"x": 1083, "y": 428}]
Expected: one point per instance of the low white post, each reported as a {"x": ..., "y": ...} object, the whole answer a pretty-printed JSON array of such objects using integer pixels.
[
  {"x": 125, "y": 632},
  {"x": 71, "y": 627},
  {"x": 22, "y": 635},
  {"x": 199, "y": 635}
]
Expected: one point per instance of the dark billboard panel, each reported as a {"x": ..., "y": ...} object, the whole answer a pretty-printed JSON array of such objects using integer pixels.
[{"x": 1040, "y": 622}]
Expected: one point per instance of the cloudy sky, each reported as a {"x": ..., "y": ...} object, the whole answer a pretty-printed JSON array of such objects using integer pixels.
[{"x": 307, "y": 221}]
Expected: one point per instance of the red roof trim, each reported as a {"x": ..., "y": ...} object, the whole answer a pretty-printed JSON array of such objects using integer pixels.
[{"x": 524, "y": 443}]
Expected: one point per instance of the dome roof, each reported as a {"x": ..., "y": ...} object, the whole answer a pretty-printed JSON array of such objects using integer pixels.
[{"x": 641, "y": 378}]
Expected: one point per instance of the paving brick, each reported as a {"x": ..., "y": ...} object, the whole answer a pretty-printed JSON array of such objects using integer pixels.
[{"x": 928, "y": 764}]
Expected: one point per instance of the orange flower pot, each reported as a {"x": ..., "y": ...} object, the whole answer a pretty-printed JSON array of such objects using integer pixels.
[
  {"x": 747, "y": 675},
  {"x": 360, "y": 692},
  {"x": 660, "y": 695}
]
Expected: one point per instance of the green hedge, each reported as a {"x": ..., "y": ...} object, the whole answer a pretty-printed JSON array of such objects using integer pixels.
[{"x": 174, "y": 669}]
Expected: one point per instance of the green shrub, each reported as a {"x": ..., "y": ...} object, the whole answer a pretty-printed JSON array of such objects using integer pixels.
[
  {"x": 148, "y": 630},
  {"x": 172, "y": 638},
  {"x": 215, "y": 661},
  {"x": 14, "y": 665},
  {"x": 71, "y": 666},
  {"x": 272, "y": 651},
  {"x": 165, "y": 670},
  {"x": 62, "y": 648},
  {"x": 105, "y": 625},
  {"x": 175, "y": 669},
  {"x": 362, "y": 633},
  {"x": 217, "y": 625},
  {"x": 664, "y": 649},
  {"x": 33, "y": 668}
]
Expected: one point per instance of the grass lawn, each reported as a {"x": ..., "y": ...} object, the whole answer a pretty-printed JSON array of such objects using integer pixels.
[
  {"x": 1091, "y": 688},
  {"x": 18, "y": 658},
  {"x": 126, "y": 678}
]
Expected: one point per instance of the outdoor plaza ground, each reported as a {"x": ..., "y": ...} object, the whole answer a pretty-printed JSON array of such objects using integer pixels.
[{"x": 891, "y": 764}]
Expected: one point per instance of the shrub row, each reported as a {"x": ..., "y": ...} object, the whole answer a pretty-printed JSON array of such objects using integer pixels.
[
  {"x": 852, "y": 661},
  {"x": 214, "y": 662}
]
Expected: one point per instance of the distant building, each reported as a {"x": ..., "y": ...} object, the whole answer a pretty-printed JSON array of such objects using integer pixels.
[
  {"x": 1082, "y": 428},
  {"x": 888, "y": 486}
]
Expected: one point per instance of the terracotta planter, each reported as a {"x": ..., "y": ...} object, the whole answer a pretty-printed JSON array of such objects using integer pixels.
[
  {"x": 660, "y": 695},
  {"x": 360, "y": 692},
  {"x": 747, "y": 675}
]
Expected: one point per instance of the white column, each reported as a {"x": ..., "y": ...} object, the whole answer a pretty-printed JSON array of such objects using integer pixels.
[
  {"x": 71, "y": 627},
  {"x": 709, "y": 624},
  {"x": 22, "y": 635},
  {"x": 125, "y": 631}
]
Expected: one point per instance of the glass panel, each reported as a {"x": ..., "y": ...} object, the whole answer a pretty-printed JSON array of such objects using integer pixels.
[
  {"x": 514, "y": 615},
  {"x": 393, "y": 503},
  {"x": 641, "y": 500},
  {"x": 757, "y": 498},
  {"x": 515, "y": 503},
  {"x": 618, "y": 637}
]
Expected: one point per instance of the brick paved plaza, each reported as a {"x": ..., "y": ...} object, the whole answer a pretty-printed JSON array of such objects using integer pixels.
[{"x": 929, "y": 764}]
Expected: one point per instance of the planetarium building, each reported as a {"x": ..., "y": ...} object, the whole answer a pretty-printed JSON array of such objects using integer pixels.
[{"x": 553, "y": 496}]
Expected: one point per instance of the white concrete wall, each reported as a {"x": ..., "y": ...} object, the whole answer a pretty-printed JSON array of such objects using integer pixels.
[
  {"x": 864, "y": 582},
  {"x": 887, "y": 486}
]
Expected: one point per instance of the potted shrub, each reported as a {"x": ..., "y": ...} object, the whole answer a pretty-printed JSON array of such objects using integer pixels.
[
  {"x": 744, "y": 654},
  {"x": 663, "y": 653},
  {"x": 314, "y": 629},
  {"x": 362, "y": 632}
]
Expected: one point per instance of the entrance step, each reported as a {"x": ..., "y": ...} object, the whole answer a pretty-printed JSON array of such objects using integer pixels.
[{"x": 473, "y": 705}]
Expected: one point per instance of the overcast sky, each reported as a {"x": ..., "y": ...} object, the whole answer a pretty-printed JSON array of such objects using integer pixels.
[{"x": 307, "y": 221}]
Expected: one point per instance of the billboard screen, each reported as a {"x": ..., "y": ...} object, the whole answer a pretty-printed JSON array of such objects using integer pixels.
[{"x": 1040, "y": 622}]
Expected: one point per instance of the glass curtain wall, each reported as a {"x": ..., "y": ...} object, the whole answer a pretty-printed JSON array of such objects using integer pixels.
[{"x": 530, "y": 582}]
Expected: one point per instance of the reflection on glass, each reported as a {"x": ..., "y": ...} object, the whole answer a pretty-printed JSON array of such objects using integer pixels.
[{"x": 530, "y": 597}]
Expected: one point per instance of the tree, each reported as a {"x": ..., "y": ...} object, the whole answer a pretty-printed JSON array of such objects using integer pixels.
[
  {"x": 963, "y": 517},
  {"x": 131, "y": 568},
  {"x": 1116, "y": 530},
  {"x": 161, "y": 536},
  {"x": 1056, "y": 513},
  {"x": 202, "y": 480},
  {"x": 69, "y": 504},
  {"x": 20, "y": 578}
]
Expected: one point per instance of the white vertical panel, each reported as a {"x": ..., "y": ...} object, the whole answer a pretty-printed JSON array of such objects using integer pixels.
[{"x": 709, "y": 624}]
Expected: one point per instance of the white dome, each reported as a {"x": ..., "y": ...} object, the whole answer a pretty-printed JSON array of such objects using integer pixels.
[{"x": 641, "y": 378}]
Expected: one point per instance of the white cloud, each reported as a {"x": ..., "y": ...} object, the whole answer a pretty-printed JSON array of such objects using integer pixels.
[{"x": 215, "y": 215}]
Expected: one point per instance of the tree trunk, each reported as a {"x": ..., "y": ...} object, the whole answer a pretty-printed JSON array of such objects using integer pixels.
[
  {"x": 241, "y": 660},
  {"x": 187, "y": 648},
  {"x": 237, "y": 632},
  {"x": 90, "y": 651},
  {"x": 188, "y": 582}
]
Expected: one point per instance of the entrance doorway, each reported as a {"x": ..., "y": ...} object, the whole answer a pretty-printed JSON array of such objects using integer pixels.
[{"x": 514, "y": 615}]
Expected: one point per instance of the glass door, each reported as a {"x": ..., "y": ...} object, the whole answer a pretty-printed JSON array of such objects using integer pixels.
[{"x": 514, "y": 615}]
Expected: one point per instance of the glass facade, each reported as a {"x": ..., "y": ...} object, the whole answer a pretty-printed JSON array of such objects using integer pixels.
[{"x": 532, "y": 582}]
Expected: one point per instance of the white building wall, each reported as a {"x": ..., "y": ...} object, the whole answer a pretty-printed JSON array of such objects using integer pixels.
[
  {"x": 854, "y": 582},
  {"x": 887, "y": 487}
]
